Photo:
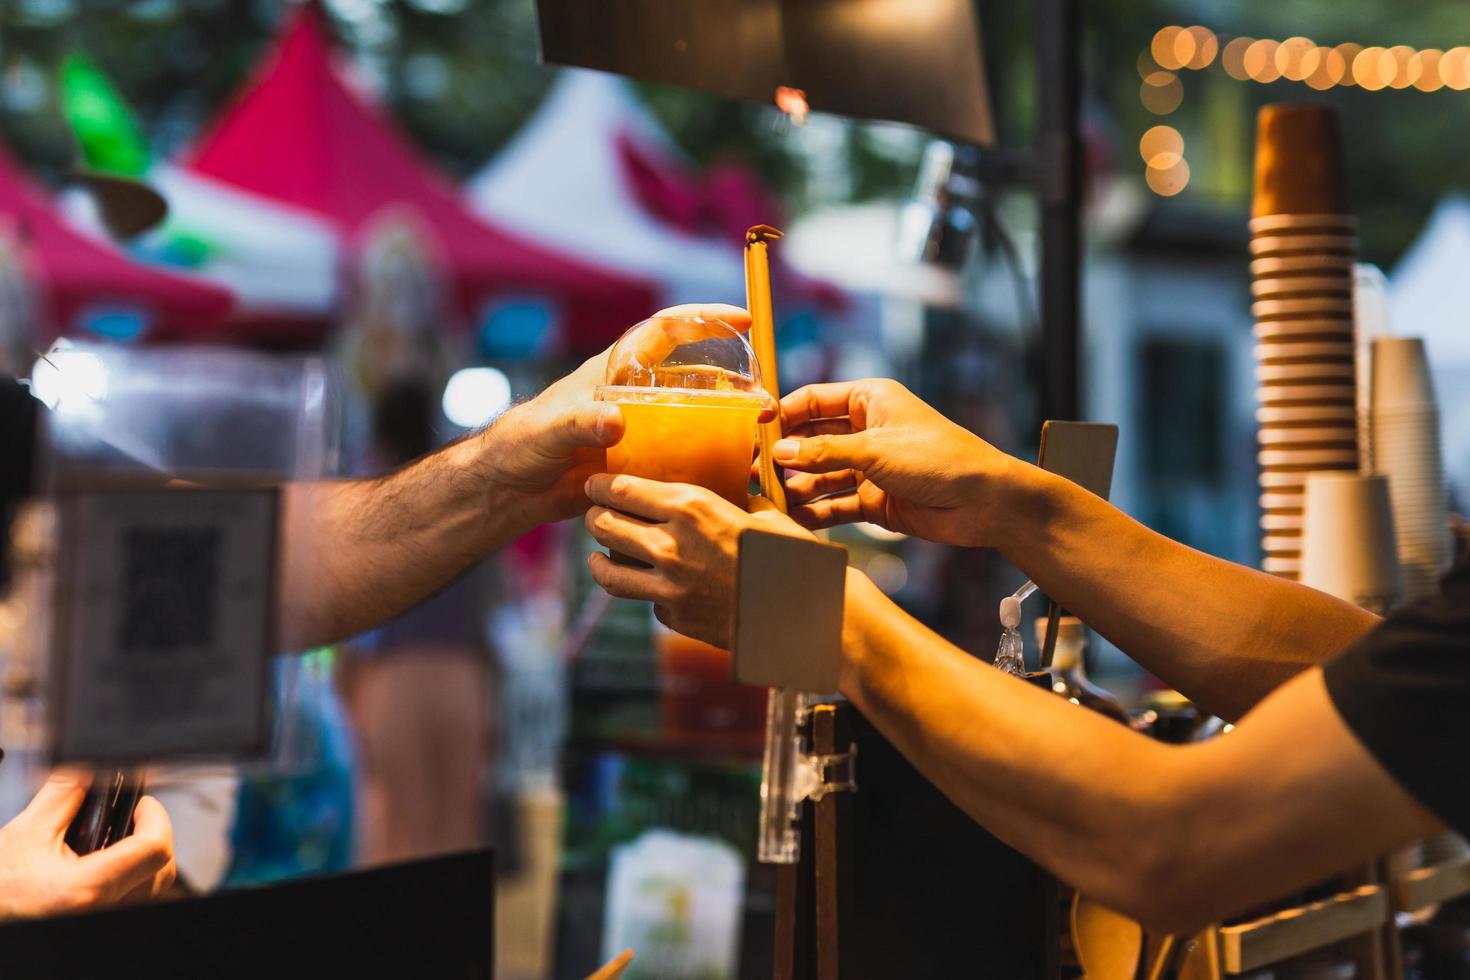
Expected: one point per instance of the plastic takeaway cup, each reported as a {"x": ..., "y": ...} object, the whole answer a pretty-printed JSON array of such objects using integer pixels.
[{"x": 690, "y": 392}]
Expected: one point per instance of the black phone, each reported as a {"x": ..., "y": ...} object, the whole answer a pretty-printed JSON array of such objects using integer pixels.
[{"x": 106, "y": 814}]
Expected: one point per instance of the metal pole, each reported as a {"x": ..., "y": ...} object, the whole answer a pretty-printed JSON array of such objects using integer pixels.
[{"x": 1059, "y": 65}]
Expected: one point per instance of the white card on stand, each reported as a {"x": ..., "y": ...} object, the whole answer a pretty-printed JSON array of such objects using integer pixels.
[{"x": 164, "y": 624}]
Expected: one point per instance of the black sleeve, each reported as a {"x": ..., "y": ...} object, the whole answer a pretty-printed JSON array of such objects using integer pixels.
[
  {"x": 1404, "y": 690},
  {"x": 17, "y": 454},
  {"x": 17, "y": 440}
]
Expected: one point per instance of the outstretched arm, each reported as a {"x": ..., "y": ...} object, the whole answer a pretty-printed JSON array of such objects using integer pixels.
[
  {"x": 1223, "y": 634},
  {"x": 357, "y": 552},
  {"x": 1175, "y": 836}
]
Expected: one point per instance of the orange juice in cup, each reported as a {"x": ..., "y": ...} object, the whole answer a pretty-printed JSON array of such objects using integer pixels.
[
  {"x": 690, "y": 393},
  {"x": 687, "y": 436}
]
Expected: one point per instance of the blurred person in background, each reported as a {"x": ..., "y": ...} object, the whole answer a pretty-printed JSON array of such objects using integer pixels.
[{"x": 416, "y": 687}]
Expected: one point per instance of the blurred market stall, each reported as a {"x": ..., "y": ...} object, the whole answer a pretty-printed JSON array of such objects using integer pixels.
[
  {"x": 57, "y": 281},
  {"x": 280, "y": 262},
  {"x": 301, "y": 137},
  {"x": 594, "y": 174}
]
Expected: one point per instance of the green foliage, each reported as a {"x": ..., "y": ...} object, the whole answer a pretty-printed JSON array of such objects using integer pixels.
[
  {"x": 461, "y": 77},
  {"x": 110, "y": 136},
  {"x": 1404, "y": 148}
]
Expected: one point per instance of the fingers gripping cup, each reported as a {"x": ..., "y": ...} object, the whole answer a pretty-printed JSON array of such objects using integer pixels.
[{"x": 690, "y": 392}]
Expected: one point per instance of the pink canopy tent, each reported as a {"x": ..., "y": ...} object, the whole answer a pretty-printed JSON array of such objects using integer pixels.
[
  {"x": 594, "y": 173},
  {"x": 86, "y": 283},
  {"x": 299, "y": 134},
  {"x": 723, "y": 203}
]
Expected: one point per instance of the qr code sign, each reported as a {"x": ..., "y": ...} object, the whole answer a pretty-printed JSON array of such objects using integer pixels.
[{"x": 170, "y": 594}]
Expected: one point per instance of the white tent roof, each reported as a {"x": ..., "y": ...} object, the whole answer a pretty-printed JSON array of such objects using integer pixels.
[
  {"x": 1429, "y": 296},
  {"x": 560, "y": 183},
  {"x": 1429, "y": 290},
  {"x": 276, "y": 259}
]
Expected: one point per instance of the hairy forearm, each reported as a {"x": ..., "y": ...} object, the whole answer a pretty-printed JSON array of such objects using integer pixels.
[
  {"x": 1223, "y": 634},
  {"x": 1084, "y": 796},
  {"x": 357, "y": 552}
]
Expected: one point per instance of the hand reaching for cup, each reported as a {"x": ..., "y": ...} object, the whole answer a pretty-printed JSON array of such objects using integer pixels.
[
  {"x": 690, "y": 537},
  {"x": 873, "y": 451},
  {"x": 539, "y": 452}
]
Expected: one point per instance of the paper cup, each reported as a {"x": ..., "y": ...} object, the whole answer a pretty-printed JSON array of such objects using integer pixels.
[
  {"x": 1302, "y": 309},
  {"x": 1274, "y": 352},
  {"x": 1303, "y": 265},
  {"x": 1324, "y": 328},
  {"x": 1265, "y": 246},
  {"x": 1305, "y": 394},
  {"x": 1297, "y": 457},
  {"x": 1405, "y": 449},
  {"x": 1282, "y": 544},
  {"x": 1348, "y": 546},
  {"x": 1406, "y": 455},
  {"x": 1291, "y": 436},
  {"x": 1282, "y": 565},
  {"x": 1267, "y": 287},
  {"x": 1400, "y": 373},
  {"x": 1273, "y": 480},
  {"x": 1311, "y": 372},
  {"x": 1308, "y": 415},
  {"x": 1299, "y": 161},
  {"x": 1342, "y": 223},
  {"x": 1406, "y": 445},
  {"x": 1282, "y": 502}
]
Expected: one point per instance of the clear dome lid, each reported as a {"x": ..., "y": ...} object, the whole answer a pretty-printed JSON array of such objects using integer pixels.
[{"x": 684, "y": 358}]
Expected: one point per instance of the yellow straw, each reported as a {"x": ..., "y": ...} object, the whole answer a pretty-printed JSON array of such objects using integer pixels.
[{"x": 763, "y": 340}]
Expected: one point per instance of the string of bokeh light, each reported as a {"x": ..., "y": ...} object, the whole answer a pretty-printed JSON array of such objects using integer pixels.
[
  {"x": 1297, "y": 59},
  {"x": 1300, "y": 59}
]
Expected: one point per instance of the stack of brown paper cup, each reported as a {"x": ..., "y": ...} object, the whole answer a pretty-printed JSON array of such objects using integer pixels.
[
  {"x": 1405, "y": 448},
  {"x": 1303, "y": 250}
]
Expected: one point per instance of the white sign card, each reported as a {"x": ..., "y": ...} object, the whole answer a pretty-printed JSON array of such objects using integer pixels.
[{"x": 164, "y": 624}]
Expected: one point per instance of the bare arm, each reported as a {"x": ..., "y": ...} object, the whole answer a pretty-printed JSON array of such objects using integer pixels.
[
  {"x": 1223, "y": 634},
  {"x": 357, "y": 552},
  {"x": 1175, "y": 836}
]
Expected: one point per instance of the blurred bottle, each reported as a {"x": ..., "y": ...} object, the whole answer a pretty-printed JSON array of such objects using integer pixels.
[
  {"x": 1171, "y": 717},
  {"x": 702, "y": 705},
  {"x": 1069, "y": 674}
]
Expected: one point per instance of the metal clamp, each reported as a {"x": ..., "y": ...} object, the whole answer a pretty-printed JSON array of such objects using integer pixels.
[{"x": 819, "y": 775}]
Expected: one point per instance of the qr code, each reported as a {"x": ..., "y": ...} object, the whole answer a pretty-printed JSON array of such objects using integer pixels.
[{"x": 170, "y": 588}]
